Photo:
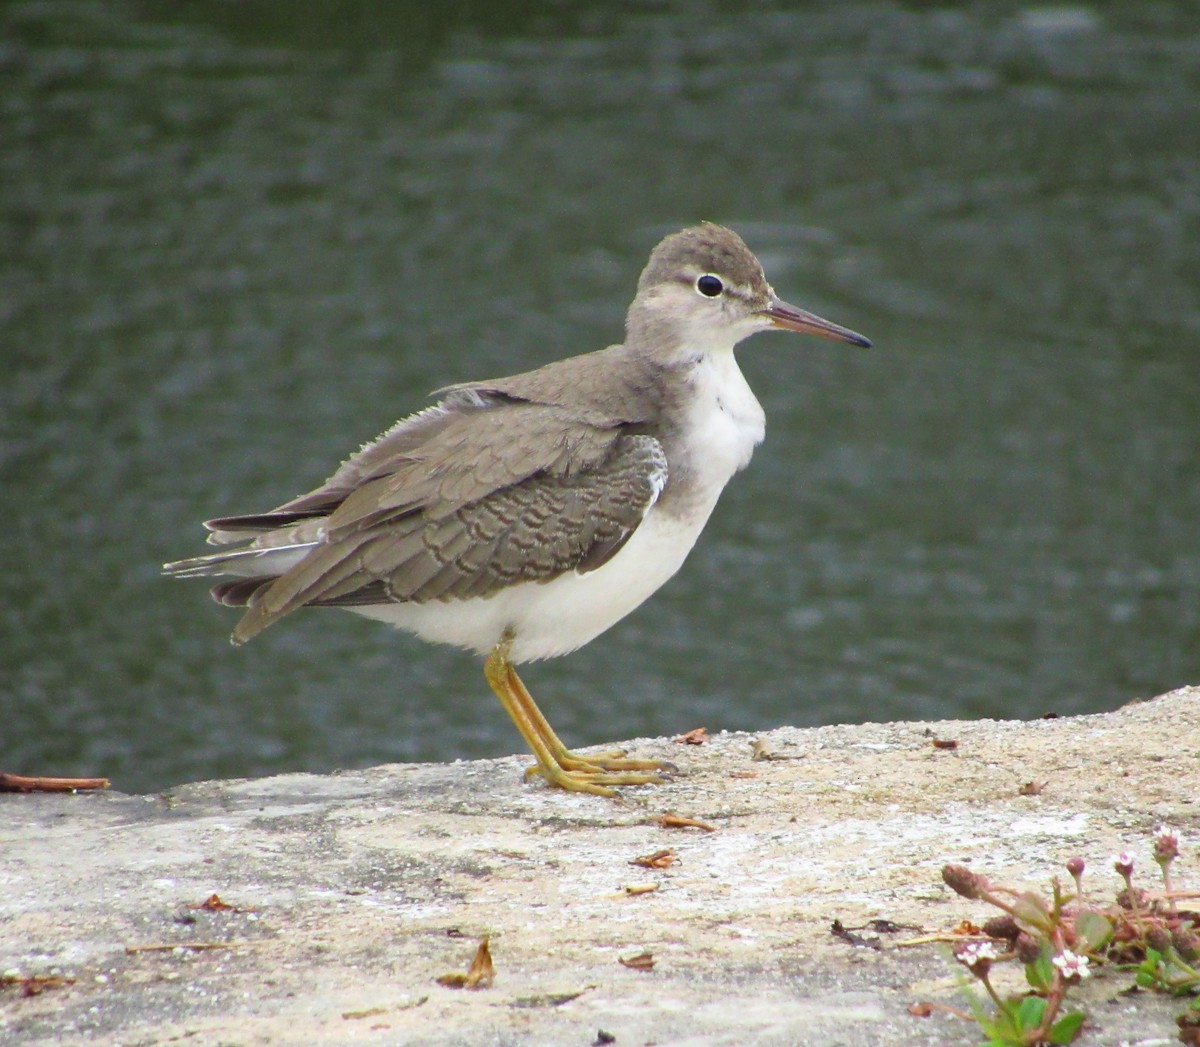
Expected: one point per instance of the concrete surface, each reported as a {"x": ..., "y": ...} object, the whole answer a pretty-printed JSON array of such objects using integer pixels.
[{"x": 355, "y": 892}]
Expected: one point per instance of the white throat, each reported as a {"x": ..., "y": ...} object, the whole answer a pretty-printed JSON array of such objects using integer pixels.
[{"x": 720, "y": 424}]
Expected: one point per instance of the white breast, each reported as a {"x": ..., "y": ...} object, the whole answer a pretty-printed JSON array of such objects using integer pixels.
[
  {"x": 722, "y": 425},
  {"x": 720, "y": 429}
]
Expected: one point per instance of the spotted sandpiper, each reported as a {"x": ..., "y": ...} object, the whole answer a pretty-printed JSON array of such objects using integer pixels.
[{"x": 521, "y": 517}]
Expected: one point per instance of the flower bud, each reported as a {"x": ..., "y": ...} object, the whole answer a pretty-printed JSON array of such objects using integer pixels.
[
  {"x": 1187, "y": 943},
  {"x": 1159, "y": 939},
  {"x": 1166, "y": 845},
  {"x": 1003, "y": 927},
  {"x": 1131, "y": 898},
  {"x": 963, "y": 882},
  {"x": 1028, "y": 948}
]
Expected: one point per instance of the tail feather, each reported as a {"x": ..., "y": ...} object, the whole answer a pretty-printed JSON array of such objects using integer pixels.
[
  {"x": 240, "y": 593},
  {"x": 227, "y": 529},
  {"x": 240, "y": 563}
]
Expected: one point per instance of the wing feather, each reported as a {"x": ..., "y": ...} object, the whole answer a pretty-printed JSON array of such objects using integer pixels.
[{"x": 532, "y": 530}]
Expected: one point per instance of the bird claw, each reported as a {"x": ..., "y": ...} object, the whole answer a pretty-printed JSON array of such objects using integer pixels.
[
  {"x": 596, "y": 781},
  {"x": 596, "y": 773}
]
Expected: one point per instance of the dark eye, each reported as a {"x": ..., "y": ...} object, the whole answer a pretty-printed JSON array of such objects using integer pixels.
[{"x": 710, "y": 286}]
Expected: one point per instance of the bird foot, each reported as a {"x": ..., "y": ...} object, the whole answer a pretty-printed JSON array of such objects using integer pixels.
[
  {"x": 598, "y": 783},
  {"x": 612, "y": 760},
  {"x": 595, "y": 773}
]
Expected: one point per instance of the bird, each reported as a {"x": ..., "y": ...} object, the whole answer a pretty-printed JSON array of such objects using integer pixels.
[{"x": 521, "y": 517}]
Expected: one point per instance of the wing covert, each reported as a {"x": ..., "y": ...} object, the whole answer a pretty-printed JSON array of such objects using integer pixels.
[{"x": 532, "y": 530}]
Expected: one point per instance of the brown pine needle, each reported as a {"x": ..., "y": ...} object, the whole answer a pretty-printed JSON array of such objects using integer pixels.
[
  {"x": 19, "y": 783},
  {"x": 131, "y": 950},
  {"x": 675, "y": 821}
]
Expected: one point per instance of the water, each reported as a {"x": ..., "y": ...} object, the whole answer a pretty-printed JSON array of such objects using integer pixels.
[{"x": 238, "y": 240}]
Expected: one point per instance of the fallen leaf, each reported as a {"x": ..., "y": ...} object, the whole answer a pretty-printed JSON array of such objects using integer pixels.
[
  {"x": 1032, "y": 788},
  {"x": 657, "y": 860},
  {"x": 923, "y": 1009},
  {"x": 479, "y": 975},
  {"x": 696, "y": 736},
  {"x": 643, "y": 961},
  {"x": 966, "y": 927},
  {"x": 839, "y": 931},
  {"x": 675, "y": 821},
  {"x": 945, "y": 743},
  {"x": 213, "y": 903},
  {"x": 760, "y": 751},
  {"x": 743, "y": 774}
]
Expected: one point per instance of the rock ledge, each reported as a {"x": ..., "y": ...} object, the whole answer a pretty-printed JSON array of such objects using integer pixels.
[{"x": 354, "y": 892}]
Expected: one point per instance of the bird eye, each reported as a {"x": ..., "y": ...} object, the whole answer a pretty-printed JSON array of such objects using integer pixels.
[{"x": 710, "y": 286}]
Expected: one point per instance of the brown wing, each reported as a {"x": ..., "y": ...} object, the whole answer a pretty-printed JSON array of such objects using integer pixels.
[
  {"x": 386, "y": 548},
  {"x": 477, "y": 455},
  {"x": 480, "y": 436},
  {"x": 446, "y": 456}
]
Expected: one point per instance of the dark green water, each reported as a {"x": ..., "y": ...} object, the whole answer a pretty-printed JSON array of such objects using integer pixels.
[{"x": 236, "y": 240}]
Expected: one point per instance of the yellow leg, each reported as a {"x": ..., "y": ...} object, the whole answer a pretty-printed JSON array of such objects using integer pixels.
[
  {"x": 605, "y": 761},
  {"x": 555, "y": 762}
]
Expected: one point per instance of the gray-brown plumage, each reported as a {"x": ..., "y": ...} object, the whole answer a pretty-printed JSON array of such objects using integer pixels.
[{"x": 524, "y": 515}]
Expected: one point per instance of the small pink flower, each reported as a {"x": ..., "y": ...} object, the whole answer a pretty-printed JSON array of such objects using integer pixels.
[
  {"x": 977, "y": 956},
  {"x": 1071, "y": 964},
  {"x": 1123, "y": 863}
]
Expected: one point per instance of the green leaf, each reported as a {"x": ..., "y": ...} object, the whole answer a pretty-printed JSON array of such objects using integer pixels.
[
  {"x": 999, "y": 1028},
  {"x": 1029, "y": 1013},
  {"x": 1094, "y": 929},
  {"x": 1066, "y": 1028},
  {"x": 996, "y": 1025},
  {"x": 1031, "y": 909},
  {"x": 1040, "y": 973},
  {"x": 1151, "y": 971}
]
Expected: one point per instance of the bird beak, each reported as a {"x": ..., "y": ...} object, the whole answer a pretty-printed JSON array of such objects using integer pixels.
[{"x": 789, "y": 318}]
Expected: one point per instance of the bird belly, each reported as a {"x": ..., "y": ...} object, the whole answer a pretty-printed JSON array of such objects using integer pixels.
[{"x": 555, "y": 617}]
